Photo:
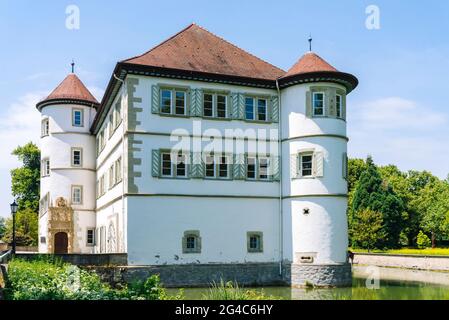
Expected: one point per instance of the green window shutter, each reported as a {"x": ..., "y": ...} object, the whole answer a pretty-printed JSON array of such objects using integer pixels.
[
  {"x": 318, "y": 164},
  {"x": 294, "y": 166},
  {"x": 241, "y": 106},
  {"x": 309, "y": 104},
  {"x": 235, "y": 105},
  {"x": 239, "y": 171},
  {"x": 197, "y": 166},
  {"x": 275, "y": 109},
  {"x": 155, "y": 99},
  {"x": 345, "y": 165},
  {"x": 275, "y": 168},
  {"x": 155, "y": 163},
  {"x": 196, "y": 103}
]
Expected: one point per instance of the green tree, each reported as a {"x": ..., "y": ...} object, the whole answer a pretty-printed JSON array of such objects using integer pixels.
[
  {"x": 2, "y": 227},
  {"x": 26, "y": 179},
  {"x": 355, "y": 169},
  {"x": 422, "y": 240},
  {"x": 373, "y": 193},
  {"x": 367, "y": 229},
  {"x": 26, "y": 228}
]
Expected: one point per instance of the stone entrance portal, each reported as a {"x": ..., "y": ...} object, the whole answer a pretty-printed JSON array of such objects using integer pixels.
[
  {"x": 61, "y": 242},
  {"x": 60, "y": 228}
]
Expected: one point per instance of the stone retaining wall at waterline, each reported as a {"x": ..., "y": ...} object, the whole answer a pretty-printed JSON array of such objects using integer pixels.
[{"x": 417, "y": 262}]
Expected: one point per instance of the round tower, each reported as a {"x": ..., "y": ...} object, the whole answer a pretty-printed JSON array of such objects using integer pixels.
[
  {"x": 314, "y": 189},
  {"x": 67, "y": 195}
]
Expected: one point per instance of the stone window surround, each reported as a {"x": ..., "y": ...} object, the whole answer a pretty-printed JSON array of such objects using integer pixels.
[
  {"x": 81, "y": 194},
  {"x": 72, "y": 158},
  {"x": 196, "y": 235},
  {"x": 330, "y": 92},
  {"x": 257, "y": 167},
  {"x": 173, "y": 89},
  {"x": 214, "y": 94},
  {"x": 173, "y": 174},
  {"x": 315, "y": 154},
  {"x": 258, "y": 234},
  {"x": 74, "y": 110}
]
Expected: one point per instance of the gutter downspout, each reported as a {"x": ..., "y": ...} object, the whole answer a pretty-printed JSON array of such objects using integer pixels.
[
  {"x": 123, "y": 157},
  {"x": 281, "y": 228}
]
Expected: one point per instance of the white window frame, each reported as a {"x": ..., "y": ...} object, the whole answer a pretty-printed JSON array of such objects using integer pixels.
[
  {"x": 255, "y": 167},
  {"x": 214, "y": 101},
  {"x": 259, "y": 169},
  {"x": 46, "y": 167},
  {"x": 74, "y": 111},
  {"x": 266, "y": 109},
  {"x": 162, "y": 164},
  {"x": 313, "y": 104},
  {"x": 218, "y": 163},
  {"x": 45, "y": 127},
  {"x": 300, "y": 164},
  {"x": 111, "y": 176},
  {"x": 173, "y": 92},
  {"x": 186, "y": 168},
  {"x": 74, "y": 188},
  {"x": 254, "y": 109},
  {"x": 214, "y": 166},
  {"x": 118, "y": 170}
]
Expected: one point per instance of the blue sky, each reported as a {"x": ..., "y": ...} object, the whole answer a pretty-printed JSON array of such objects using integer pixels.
[{"x": 399, "y": 113}]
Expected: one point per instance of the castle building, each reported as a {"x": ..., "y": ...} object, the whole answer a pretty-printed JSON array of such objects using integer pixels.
[{"x": 202, "y": 162}]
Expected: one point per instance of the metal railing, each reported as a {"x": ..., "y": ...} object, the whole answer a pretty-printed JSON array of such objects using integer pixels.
[{"x": 5, "y": 257}]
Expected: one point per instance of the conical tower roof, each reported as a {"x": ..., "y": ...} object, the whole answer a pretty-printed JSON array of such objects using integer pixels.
[
  {"x": 310, "y": 62},
  {"x": 70, "y": 90}
]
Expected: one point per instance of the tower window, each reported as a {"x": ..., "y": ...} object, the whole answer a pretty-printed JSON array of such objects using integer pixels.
[
  {"x": 45, "y": 127},
  {"x": 318, "y": 104},
  {"x": 77, "y": 117},
  {"x": 77, "y": 194},
  {"x": 45, "y": 167},
  {"x": 77, "y": 157},
  {"x": 305, "y": 164},
  {"x": 338, "y": 105}
]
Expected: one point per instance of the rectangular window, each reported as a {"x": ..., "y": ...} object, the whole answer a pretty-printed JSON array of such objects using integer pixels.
[
  {"x": 254, "y": 242},
  {"x": 190, "y": 242},
  {"x": 208, "y": 105},
  {"x": 166, "y": 101},
  {"x": 77, "y": 157},
  {"x": 45, "y": 127},
  {"x": 45, "y": 167},
  {"x": 166, "y": 164},
  {"x": 210, "y": 166},
  {"x": 111, "y": 125},
  {"x": 305, "y": 164},
  {"x": 77, "y": 194},
  {"x": 251, "y": 167},
  {"x": 118, "y": 114},
  {"x": 261, "y": 109},
  {"x": 338, "y": 104},
  {"x": 181, "y": 165},
  {"x": 90, "y": 237},
  {"x": 318, "y": 104},
  {"x": 249, "y": 108},
  {"x": 263, "y": 168},
  {"x": 180, "y": 106},
  {"x": 102, "y": 186},
  {"x": 221, "y": 106},
  {"x": 77, "y": 117},
  {"x": 223, "y": 167}
]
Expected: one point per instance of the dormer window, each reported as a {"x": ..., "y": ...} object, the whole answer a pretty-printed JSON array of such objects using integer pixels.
[{"x": 318, "y": 103}]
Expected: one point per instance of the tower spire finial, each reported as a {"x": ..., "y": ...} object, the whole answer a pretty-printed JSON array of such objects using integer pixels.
[
  {"x": 310, "y": 42},
  {"x": 73, "y": 66}
]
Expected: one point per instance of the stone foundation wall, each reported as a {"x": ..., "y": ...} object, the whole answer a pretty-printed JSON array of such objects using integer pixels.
[
  {"x": 336, "y": 275},
  {"x": 246, "y": 274}
]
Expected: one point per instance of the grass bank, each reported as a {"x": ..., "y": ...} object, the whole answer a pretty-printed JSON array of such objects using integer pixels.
[{"x": 411, "y": 251}]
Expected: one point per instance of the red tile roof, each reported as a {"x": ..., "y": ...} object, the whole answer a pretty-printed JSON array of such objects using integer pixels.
[
  {"x": 196, "y": 49},
  {"x": 310, "y": 62},
  {"x": 71, "y": 88}
]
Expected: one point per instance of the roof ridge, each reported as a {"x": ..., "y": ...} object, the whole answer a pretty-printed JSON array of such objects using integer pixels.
[
  {"x": 160, "y": 44},
  {"x": 230, "y": 43}
]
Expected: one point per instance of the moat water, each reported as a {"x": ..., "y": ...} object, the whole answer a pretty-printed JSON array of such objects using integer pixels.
[{"x": 392, "y": 284}]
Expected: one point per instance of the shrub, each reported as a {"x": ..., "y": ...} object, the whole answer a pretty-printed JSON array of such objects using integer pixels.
[
  {"x": 51, "y": 279},
  {"x": 422, "y": 240}
]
